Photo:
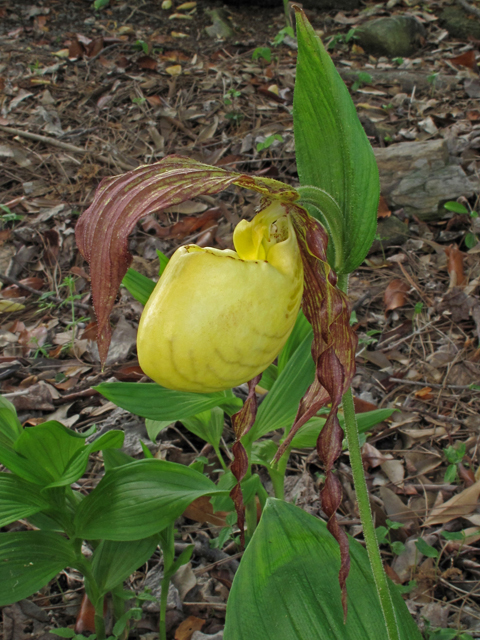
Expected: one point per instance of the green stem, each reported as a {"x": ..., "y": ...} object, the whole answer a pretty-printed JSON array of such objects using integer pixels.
[
  {"x": 99, "y": 620},
  {"x": 163, "y": 607},
  {"x": 220, "y": 458},
  {"x": 167, "y": 543},
  {"x": 278, "y": 482},
  {"x": 361, "y": 490}
]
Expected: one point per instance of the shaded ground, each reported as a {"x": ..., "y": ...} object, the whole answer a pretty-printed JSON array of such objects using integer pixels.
[{"x": 114, "y": 89}]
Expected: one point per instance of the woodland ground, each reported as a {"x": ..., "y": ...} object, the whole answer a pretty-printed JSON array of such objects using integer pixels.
[{"x": 111, "y": 89}]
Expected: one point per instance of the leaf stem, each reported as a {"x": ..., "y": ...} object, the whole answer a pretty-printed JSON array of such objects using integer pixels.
[{"x": 361, "y": 490}]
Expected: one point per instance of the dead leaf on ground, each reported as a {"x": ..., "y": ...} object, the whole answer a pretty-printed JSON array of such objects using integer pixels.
[
  {"x": 395, "y": 295},
  {"x": 201, "y": 510},
  {"x": 460, "y": 505},
  {"x": 383, "y": 209},
  {"x": 455, "y": 266},
  {"x": 466, "y": 59},
  {"x": 188, "y": 627},
  {"x": 424, "y": 394}
]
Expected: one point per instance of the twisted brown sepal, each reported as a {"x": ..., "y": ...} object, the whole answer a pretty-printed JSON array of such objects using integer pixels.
[
  {"x": 333, "y": 351},
  {"x": 242, "y": 422}
]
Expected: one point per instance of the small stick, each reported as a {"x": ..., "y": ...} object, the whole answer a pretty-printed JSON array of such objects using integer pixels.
[
  {"x": 469, "y": 8},
  {"x": 65, "y": 145},
  {"x": 455, "y": 387}
]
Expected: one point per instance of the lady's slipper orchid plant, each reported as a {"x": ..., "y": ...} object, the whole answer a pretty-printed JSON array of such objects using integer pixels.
[{"x": 219, "y": 318}]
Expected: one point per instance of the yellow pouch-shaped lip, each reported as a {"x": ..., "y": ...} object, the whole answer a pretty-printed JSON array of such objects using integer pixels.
[{"x": 218, "y": 318}]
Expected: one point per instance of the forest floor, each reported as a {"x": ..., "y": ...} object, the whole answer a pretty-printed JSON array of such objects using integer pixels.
[{"x": 105, "y": 91}]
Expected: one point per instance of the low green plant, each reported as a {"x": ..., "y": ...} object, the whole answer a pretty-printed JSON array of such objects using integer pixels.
[
  {"x": 69, "y": 284},
  {"x": 267, "y": 143},
  {"x": 444, "y": 634},
  {"x": 454, "y": 455},
  {"x": 262, "y": 52},
  {"x": 384, "y": 536},
  {"x": 362, "y": 78},
  {"x": 341, "y": 38},
  {"x": 8, "y": 216}
]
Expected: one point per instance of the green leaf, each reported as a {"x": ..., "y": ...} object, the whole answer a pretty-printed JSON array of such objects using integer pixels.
[
  {"x": 116, "y": 458},
  {"x": 450, "y": 473},
  {"x": 29, "y": 560},
  {"x": 138, "y": 285},
  {"x": 263, "y": 452},
  {"x": 47, "y": 449},
  {"x": 333, "y": 152},
  {"x": 157, "y": 403},
  {"x": 426, "y": 549},
  {"x": 10, "y": 427},
  {"x": 154, "y": 427},
  {"x": 139, "y": 499},
  {"x": 269, "y": 377},
  {"x": 114, "y": 561},
  {"x": 279, "y": 408},
  {"x": 163, "y": 261},
  {"x": 397, "y": 547},
  {"x": 381, "y": 533},
  {"x": 18, "y": 499},
  {"x": 391, "y": 524},
  {"x": 288, "y": 588},
  {"x": 207, "y": 425},
  {"x": 300, "y": 331},
  {"x": 471, "y": 240},
  {"x": 64, "y": 632},
  {"x": 456, "y": 207},
  {"x": 453, "y": 535},
  {"x": 77, "y": 465}
]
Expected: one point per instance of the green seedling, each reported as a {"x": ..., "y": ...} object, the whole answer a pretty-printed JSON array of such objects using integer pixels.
[
  {"x": 262, "y": 52},
  {"x": 282, "y": 34},
  {"x": 384, "y": 536},
  {"x": 341, "y": 38},
  {"x": 454, "y": 456},
  {"x": 267, "y": 143},
  {"x": 69, "y": 284},
  {"x": 362, "y": 78}
]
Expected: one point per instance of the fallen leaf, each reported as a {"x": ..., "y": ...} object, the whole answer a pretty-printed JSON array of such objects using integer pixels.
[
  {"x": 9, "y": 307},
  {"x": 188, "y": 627},
  {"x": 460, "y": 505},
  {"x": 424, "y": 394},
  {"x": 383, "y": 209},
  {"x": 146, "y": 62},
  {"x": 466, "y": 59},
  {"x": 395, "y": 295},
  {"x": 174, "y": 70},
  {"x": 455, "y": 266},
  {"x": 186, "y": 6},
  {"x": 201, "y": 510}
]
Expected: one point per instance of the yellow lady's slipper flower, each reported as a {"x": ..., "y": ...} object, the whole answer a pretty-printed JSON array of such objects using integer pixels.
[{"x": 218, "y": 318}]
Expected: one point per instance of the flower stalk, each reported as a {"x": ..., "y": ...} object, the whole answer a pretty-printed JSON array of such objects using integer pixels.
[{"x": 363, "y": 500}]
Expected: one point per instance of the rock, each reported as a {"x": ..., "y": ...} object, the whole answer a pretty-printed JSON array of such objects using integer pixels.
[
  {"x": 419, "y": 176},
  {"x": 459, "y": 24},
  {"x": 390, "y": 231},
  {"x": 396, "y": 36},
  {"x": 221, "y": 27}
]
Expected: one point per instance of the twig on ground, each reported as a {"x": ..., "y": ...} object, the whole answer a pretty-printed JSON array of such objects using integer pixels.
[
  {"x": 475, "y": 11},
  {"x": 454, "y": 387},
  {"x": 66, "y": 146}
]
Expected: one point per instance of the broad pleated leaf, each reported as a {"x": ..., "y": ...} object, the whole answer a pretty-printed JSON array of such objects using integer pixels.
[
  {"x": 207, "y": 425},
  {"x": 10, "y": 427},
  {"x": 333, "y": 153},
  {"x": 287, "y": 585},
  {"x": 280, "y": 407},
  {"x": 18, "y": 499},
  {"x": 139, "y": 499},
  {"x": 29, "y": 560},
  {"x": 114, "y": 561},
  {"x": 157, "y": 403},
  {"x": 138, "y": 285}
]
